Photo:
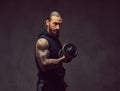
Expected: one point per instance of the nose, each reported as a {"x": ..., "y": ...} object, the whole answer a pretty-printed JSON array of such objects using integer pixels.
[{"x": 58, "y": 27}]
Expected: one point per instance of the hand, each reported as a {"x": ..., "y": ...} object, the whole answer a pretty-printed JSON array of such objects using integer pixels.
[{"x": 67, "y": 59}]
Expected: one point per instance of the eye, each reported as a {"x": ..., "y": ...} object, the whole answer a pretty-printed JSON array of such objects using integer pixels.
[{"x": 55, "y": 23}]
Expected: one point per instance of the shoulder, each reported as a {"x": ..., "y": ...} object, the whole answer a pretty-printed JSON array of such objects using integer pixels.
[{"x": 42, "y": 42}]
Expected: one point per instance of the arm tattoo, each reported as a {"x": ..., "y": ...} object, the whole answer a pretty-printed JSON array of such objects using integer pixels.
[{"x": 42, "y": 53}]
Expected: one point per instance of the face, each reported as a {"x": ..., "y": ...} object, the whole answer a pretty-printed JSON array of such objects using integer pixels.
[{"x": 53, "y": 26}]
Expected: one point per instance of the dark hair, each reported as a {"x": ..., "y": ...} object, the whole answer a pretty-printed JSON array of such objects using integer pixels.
[{"x": 53, "y": 13}]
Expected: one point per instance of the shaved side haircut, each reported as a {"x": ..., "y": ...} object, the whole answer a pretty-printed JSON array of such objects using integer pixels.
[{"x": 53, "y": 13}]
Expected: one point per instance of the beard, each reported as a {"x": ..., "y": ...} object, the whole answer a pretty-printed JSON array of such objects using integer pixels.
[{"x": 54, "y": 33}]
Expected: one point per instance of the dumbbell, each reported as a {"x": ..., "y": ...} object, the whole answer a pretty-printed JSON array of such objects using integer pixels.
[{"x": 69, "y": 50}]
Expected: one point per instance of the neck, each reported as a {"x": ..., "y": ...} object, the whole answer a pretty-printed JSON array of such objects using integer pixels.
[{"x": 48, "y": 32}]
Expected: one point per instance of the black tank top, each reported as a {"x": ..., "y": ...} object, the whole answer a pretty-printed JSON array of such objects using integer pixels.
[{"x": 54, "y": 47}]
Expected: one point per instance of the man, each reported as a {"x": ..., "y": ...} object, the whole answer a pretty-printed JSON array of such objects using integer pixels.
[{"x": 50, "y": 65}]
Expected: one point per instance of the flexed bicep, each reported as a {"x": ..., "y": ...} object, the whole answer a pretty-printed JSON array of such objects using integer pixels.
[
  {"x": 42, "y": 52},
  {"x": 43, "y": 56}
]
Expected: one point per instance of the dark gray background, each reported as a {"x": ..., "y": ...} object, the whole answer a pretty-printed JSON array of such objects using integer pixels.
[{"x": 92, "y": 25}]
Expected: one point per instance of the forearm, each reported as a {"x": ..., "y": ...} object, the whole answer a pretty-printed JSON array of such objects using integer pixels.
[{"x": 51, "y": 63}]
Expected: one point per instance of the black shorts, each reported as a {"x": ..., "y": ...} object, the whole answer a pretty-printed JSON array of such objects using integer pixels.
[{"x": 43, "y": 85}]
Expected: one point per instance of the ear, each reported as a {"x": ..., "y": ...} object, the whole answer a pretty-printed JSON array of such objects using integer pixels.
[{"x": 47, "y": 22}]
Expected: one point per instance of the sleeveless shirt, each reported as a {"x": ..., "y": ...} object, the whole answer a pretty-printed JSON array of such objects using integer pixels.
[{"x": 54, "y": 47}]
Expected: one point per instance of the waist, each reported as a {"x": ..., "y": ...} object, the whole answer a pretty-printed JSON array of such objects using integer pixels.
[{"x": 52, "y": 75}]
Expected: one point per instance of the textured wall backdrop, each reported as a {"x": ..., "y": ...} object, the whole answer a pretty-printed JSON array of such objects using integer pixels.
[{"x": 92, "y": 26}]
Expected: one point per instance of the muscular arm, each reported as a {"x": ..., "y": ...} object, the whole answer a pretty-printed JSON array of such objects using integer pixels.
[{"x": 42, "y": 53}]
